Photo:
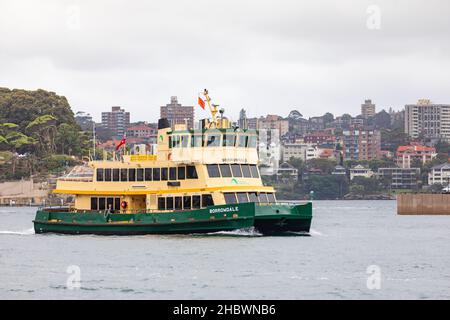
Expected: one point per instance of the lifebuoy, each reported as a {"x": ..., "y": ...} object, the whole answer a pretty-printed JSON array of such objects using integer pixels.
[{"x": 123, "y": 204}]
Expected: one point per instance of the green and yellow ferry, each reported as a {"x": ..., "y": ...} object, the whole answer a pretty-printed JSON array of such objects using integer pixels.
[{"x": 195, "y": 181}]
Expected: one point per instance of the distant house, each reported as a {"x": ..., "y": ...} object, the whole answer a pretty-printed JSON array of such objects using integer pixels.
[
  {"x": 440, "y": 174},
  {"x": 360, "y": 171},
  {"x": 401, "y": 178},
  {"x": 287, "y": 172},
  {"x": 407, "y": 154},
  {"x": 339, "y": 171}
]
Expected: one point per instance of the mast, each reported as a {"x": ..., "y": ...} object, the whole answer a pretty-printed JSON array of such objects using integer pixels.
[{"x": 212, "y": 108}]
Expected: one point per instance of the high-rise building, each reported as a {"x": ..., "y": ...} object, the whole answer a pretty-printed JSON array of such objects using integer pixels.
[
  {"x": 361, "y": 144},
  {"x": 117, "y": 120},
  {"x": 247, "y": 123},
  {"x": 178, "y": 114},
  {"x": 271, "y": 122},
  {"x": 367, "y": 109},
  {"x": 428, "y": 120}
]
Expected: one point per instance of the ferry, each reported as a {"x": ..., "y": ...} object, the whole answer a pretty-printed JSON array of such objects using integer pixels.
[{"x": 193, "y": 181}]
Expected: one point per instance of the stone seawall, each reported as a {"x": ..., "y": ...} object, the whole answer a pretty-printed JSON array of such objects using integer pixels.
[{"x": 423, "y": 204}]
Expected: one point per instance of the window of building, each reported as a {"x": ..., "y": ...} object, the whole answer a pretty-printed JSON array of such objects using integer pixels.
[
  {"x": 140, "y": 174},
  {"x": 236, "y": 169},
  {"x": 110, "y": 203},
  {"x": 187, "y": 202},
  {"x": 101, "y": 203},
  {"x": 115, "y": 174},
  {"x": 181, "y": 173},
  {"x": 117, "y": 204},
  {"x": 100, "y": 175},
  {"x": 184, "y": 141},
  {"x": 169, "y": 203},
  {"x": 196, "y": 141},
  {"x": 254, "y": 171},
  {"x": 132, "y": 174},
  {"x": 196, "y": 202},
  {"x": 164, "y": 174},
  {"x": 107, "y": 174},
  {"x": 213, "y": 140},
  {"x": 173, "y": 173},
  {"x": 178, "y": 203},
  {"x": 123, "y": 175},
  {"x": 207, "y": 200},
  {"x": 246, "y": 171},
  {"x": 242, "y": 197},
  {"x": 94, "y": 203},
  {"x": 191, "y": 172},
  {"x": 161, "y": 203},
  {"x": 156, "y": 174},
  {"x": 229, "y": 140},
  {"x": 148, "y": 174},
  {"x": 253, "y": 197},
  {"x": 242, "y": 141},
  {"x": 252, "y": 140},
  {"x": 225, "y": 170},
  {"x": 176, "y": 141},
  {"x": 230, "y": 197},
  {"x": 213, "y": 170}
]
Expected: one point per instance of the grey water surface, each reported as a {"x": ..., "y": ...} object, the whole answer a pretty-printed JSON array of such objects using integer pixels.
[{"x": 352, "y": 245}]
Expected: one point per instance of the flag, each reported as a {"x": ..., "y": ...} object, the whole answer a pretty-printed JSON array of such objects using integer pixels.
[
  {"x": 201, "y": 103},
  {"x": 121, "y": 143}
]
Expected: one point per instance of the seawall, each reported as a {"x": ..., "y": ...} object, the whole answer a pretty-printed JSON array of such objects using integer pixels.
[{"x": 423, "y": 204}]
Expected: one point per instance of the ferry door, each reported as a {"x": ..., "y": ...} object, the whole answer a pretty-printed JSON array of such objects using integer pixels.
[{"x": 151, "y": 202}]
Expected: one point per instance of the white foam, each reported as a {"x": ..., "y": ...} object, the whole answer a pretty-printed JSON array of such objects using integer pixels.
[
  {"x": 20, "y": 233},
  {"x": 315, "y": 232}
]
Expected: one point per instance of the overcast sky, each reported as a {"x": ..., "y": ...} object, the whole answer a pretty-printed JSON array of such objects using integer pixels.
[{"x": 266, "y": 56}]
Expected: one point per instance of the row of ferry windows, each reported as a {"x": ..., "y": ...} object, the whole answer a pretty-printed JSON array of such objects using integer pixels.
[
  {"x": 233, "y": 170},
  {"x": 242, "y": 197},
  {"x": 213, "y": 140},
  {"x": 185, "y": 202},
  {"x": 102, "y": 203},
  {"x": 147, "y": 174}
]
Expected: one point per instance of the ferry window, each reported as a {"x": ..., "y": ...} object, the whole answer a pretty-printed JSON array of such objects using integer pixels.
[
  {"x": 140, "y": 174},
  {"x": 225, "y": 170},
  {"x": 116, "y": 174},
  {"x": 172, "y": 173},
  {"x": 213, "y": 171},
  {"x": 236, "y": 169},
  {"x": 132, "y": 174},
  {"x": 123, "y": 175},
  {"x": 164, "y": 174},
  {"x": 271, "y": 198},
  {"x": 207, "y": 200},
  {"x": 178, "y": 203},
  {"x": 107, "y": 174},
  {"x": 100, "y": 176},
  {"x": 195, "y": 202},
  {"x": 230, "y": 197},
  {"x": 148, "y": 174},
  {"x": 191, "y": 172},
  {"x": 184, "y": 141},
  {"x": 252, "y": 141},
  {"x": 229, "y": 140},
  {"x": 242, "y": 197},
  {"x": 242, "y": 141},
  {"x": 116, "y": 204},
  {"x": 213, "y": 140},
  {"x": 176, "y": 141},
  {"x": 94, "y": 203},
  {"x": 170, "y": 142},
  {"x": 181, "y": 173},
  {"x": 253, "y": 197},
  {"x": 186, "y": 202},
  {"x": 196, "y": 141},
  {"x": 169, "y": 203},
  {"x": 254, "y": 171},
  {"x": 246, "y": 171},
  {"x": 101, "y": 204},
  {"x": 156, "y": 174},
  {"x": 110, "y": 203},
  {"x": 161, "y": 203},
  {"x": 263, "y": 197}
]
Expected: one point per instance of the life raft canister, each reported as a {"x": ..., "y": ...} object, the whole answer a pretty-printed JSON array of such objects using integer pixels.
[{"x": 123, "y": 204}]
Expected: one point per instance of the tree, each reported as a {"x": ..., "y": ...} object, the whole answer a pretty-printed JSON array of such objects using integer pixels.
[
  {"x": 325, "y": 165},
  {"x": 382, "y": 120}
]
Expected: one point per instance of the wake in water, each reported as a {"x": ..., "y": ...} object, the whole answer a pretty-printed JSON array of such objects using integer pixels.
[
  {"x": 20, "y": 233},
  {"x": 245, "y": 232}
]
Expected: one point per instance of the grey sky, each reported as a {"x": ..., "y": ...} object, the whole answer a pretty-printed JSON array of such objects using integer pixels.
[{"x": 267, "y": 56}]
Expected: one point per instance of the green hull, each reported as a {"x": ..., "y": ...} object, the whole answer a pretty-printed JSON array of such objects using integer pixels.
[{"x": 268, "y": 219}]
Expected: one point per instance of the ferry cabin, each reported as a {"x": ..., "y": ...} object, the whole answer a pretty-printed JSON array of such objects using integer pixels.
[{"x": 191, "y": 169}]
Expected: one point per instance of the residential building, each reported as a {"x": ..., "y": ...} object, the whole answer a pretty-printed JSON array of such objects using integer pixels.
[
  {"x": 178, "y": 114},
  {"x": 400, "y": 178},
  {"x": 361, "y": 144},
  {"x": 367, "y": 109},
  {"x": 429, "y": 120},
  {"x": 118, "y": 120},
  {"x": 271, "y": 122},
  {"x": 286, "y": 172},
  {"x": 360, "y": 171},
  {"x": 440, "y": 174},
  {"x": 406, "y": 155},
  {"x": 320, "y": 138},
  {"x": 339, "y": 171}
]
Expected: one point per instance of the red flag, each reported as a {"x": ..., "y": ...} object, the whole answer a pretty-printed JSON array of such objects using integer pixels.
[
  {"x": 201, "y": 103},
  {"x": 121, "y": 143}
]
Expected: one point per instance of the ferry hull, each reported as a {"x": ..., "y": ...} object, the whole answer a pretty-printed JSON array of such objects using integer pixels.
[{"x": 212, "y": 219}]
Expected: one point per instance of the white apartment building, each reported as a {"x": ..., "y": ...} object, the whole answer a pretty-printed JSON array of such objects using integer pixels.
[
  {"x": 360, "y": 171},
  {"x": 427, "y": 119},
  {"x": 440, "y": 174},
  {"x": 301, "y": 151}
]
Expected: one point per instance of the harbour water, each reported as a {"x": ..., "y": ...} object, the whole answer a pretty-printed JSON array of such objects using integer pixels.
[{"x": 357, "y": 250}]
